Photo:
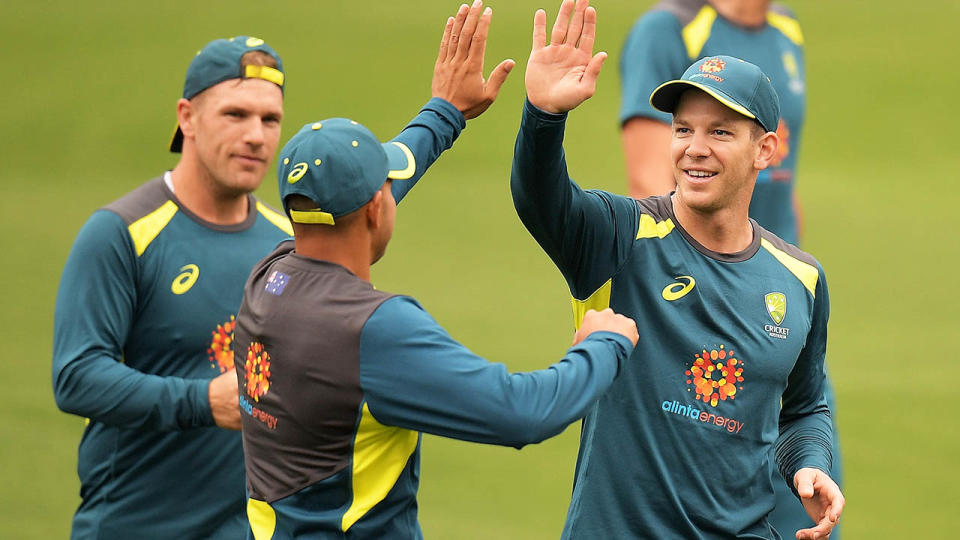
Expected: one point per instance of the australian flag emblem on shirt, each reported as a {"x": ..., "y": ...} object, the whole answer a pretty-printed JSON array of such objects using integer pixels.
[{"x": 276, "y": 282}]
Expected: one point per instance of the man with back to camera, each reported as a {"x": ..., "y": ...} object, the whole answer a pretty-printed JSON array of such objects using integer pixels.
[
  {"x": 734, "y": 318},
  {"x": 144, "y": 314},
  {"x": 340, "y": 378},
  {"x": 660, "y": 46}
]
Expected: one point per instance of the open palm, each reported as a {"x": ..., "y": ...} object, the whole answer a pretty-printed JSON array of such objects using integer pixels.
[{"x": 564, "y": 73}]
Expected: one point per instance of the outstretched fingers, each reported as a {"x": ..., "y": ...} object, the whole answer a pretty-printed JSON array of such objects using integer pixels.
[
  {"x": 469, "y": 28},
  {"x": 539, "y": 29},
  {"x": 562, "y": 23},
  {"x": 498, "y": 76},
  {"x": 445, "y": 40},
  {"x": 592, "y": 71},
  {"x": 456, "y": 31},
  {"x": 576, "y": 24},
  {"x": 589, "y": 30},
  {"x": 478, "y": 46}
]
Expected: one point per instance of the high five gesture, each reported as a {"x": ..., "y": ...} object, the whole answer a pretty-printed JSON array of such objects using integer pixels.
[{"x": 564, "y": 73}]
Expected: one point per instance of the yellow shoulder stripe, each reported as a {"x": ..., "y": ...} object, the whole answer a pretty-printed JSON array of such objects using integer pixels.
[
  {"x": 789, "y": 26},
  {"x": 277, "y": 219},
  {"x": 263, "y": 519},
  {"x": 380, "y": 453},
  {"x": 144, "y": 230},
  {"x": 697, "y": 32},
  {"x": 653, "y": 229},
  {"x": 806, "y": 273},
  {"x": 598, "y": 301}
]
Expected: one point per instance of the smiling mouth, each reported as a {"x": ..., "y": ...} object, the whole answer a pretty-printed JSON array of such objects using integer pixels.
[{"x": 699, "y": 175}]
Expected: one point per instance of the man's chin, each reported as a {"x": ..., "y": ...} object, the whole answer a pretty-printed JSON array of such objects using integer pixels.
[
  {"x": 245, "y": 182},
  {"x": 699, "y": 200}
]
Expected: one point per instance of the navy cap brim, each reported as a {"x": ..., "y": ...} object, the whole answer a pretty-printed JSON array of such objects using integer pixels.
[
  {"x": 667, "y": 95},
  {"x": 400, "y": 161}
]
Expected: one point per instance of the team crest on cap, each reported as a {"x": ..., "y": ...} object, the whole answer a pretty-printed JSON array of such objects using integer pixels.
[{"x": 712, "y": 65}]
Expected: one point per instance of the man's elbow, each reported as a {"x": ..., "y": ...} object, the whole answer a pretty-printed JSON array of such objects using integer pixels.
[
  {"x": 68, "y": 393},
  {"x": 522, "y": 430}
]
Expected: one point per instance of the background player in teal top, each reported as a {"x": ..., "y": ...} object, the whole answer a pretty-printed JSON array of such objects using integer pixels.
[
  {"x": 144, "y": 315},
  {"x": 732, "y": 319},
  {"x": 660, "y": 46},
  {"x": 666, "y": 40}
]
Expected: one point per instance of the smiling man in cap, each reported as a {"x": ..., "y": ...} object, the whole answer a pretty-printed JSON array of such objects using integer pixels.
[
  {"x": 732, "y": 319},
  {"x": 340, "y": 378},
  {"x": 145, "y": 311}
]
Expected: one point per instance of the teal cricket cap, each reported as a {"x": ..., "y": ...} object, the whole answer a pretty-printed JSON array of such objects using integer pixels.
[
  {"x": 339, "y": 165},
  {"x": 219, "y": 61},
  {"x": 736, "y": 83}
]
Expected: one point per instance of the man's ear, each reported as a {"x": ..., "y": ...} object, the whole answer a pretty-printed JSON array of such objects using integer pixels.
[
  {"x": 373, "y": 212},
  {"x": 768, "y": 144},
  {"x": 186, "y": 111}
]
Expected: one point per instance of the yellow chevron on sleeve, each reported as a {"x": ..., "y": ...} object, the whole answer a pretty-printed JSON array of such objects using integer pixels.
[
  {"x": 598, "y": 301},
  {"x": 697, "y": 31},
  {"x": 263, "y": 519},
  {"x": 650, "y": 228},
  {"x": 279, "y": 220},
  {"x": 789, "y": 26},
  {"x": 145, "y": 230},
  {"x": 806, "y": 273},
  {"x": 380, "y": 453}
]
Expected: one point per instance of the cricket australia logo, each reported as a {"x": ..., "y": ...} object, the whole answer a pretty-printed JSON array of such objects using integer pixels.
[{"x": 776, "y": 304}]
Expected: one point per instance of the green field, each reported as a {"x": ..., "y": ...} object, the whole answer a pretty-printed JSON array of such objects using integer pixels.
[{"x": 89, "y": 91}]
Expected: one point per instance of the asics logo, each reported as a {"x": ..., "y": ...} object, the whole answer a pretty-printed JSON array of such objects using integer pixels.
[
  {"x": 185, "y": 279},
  {"x": 297, "y": 172},
  {"x": 679, "y": 289}
]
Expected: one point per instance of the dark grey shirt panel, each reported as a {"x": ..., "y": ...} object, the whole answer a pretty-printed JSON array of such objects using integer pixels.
[
  {"x": 141, "y": 201},
  {"x": 308, "y": 316},
  {"x": 154, "y": 193}
]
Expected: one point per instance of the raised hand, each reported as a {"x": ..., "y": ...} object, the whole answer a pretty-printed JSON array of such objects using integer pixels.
[
  {"x": 564, "y": 73},
  {"x": 608, "y": 321},
  {"x": 822, "y": 500},
  {"x": 458, "y": 73}
]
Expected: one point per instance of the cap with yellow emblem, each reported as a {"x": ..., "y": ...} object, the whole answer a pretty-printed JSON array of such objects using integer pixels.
[
  {"x": 219, "y": 61},
  {"x": 339, "y": 165},
  {"x": 737, "y": 84}
]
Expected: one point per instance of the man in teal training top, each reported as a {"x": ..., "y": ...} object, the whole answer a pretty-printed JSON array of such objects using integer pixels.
[
  {"x": 732, "y": 319},
  {"x": 661, "y": 44}
]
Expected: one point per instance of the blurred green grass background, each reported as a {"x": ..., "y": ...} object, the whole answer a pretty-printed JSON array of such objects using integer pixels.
[{"x": 89, "y": 91}]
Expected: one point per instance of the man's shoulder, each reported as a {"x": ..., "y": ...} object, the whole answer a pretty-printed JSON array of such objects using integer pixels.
[
  {"x": 275, "y": 217},
  {"x": 658, "y": 208},
  {"x": 771, "y": 241},
  {"x": 142, "y": 201},
  {"x": 801, "y": 264}
]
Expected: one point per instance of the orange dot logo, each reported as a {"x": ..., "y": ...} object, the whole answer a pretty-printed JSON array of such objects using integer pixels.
[
  {"x": 219, "y": 352},
  {"x": 257, "y": 367},
  {"x": 716, "y": 375},
  {"x": 712, "y": 65}
]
